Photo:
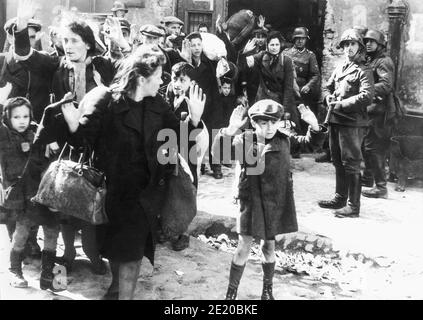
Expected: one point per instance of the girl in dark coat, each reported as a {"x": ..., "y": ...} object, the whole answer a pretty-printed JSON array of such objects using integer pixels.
[
  {"x": 123, "y": 125},
  {"x": 265, "y": 188},
  {"x": 20, "y": 182}
]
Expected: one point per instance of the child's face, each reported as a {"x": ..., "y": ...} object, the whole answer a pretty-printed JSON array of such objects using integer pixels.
[
  {"x": 196, "y": 47},
  {"x": 180, "y": 84},
  {"x": 20, "y": 118},
  {"x": 226, "y": 89},
  {"x": 266, "y": 128}
]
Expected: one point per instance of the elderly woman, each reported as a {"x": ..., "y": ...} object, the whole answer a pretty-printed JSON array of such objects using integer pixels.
[
  {"x": 122, "y": 124},
  {"x": 276, "y": 72}
]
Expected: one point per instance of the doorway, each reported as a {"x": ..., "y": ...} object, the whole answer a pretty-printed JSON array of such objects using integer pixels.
[{"x": 286, "y": 15}]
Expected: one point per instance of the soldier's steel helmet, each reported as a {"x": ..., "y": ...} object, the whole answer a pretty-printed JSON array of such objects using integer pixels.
[
  {"x": 300, "y": 32},
  {"x": 117, "y": 5},
  {"x": 376, "y": 36},
  {"x": 351, "y": 35}
]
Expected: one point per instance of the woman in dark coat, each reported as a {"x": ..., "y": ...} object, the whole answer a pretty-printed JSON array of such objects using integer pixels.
[
  {"x": 122, "y": 124},
  {"x": 78, "y": 72},
  {"x": 276, "y": 72}
]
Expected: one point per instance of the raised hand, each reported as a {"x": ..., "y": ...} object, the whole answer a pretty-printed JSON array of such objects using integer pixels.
[
  {"x": 114, "y": 32},
  {"x": 26, "y": 10},
  {"x": 237, "y": 120},
  {"x": 250, "y": 46},
  {"x": 218, "y": 26},
  {"x": 308, "y": 116},
  {"x": 133, "y": 38},
  {"x": 185, "y": 53},
  {"x": 196, "y": 103},
  {"x": 70, "y": 113},
  {"x": 261, "y": 20},
  {"x": 4, "y": 92}
]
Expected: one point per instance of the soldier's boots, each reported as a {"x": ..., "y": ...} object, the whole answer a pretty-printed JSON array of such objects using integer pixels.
[
  {"x": 337, "y": 202},
  {"x": 376, "y": 192},
  {"x": 352, "y": 209}
]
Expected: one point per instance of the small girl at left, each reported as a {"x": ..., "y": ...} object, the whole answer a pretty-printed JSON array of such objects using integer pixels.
[{"x": 20, "y": 179}]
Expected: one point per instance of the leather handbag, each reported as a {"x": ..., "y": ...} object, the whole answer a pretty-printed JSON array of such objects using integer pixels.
[
  {"x": 74, "y": 188},
  {"x": 180, "y": 201}
]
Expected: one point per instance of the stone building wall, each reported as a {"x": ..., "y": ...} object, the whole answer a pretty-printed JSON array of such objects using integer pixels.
[
  {"x": 140, "y": 11},
  {"x": 344, "y": 14},
  {"x": 411, "y": 82}
]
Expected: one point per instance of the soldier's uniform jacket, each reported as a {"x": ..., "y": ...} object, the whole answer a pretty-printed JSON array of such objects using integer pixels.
[
  {"x": 351, "y": 84},
  {"x": 383, "y": 73},
  {"x": 306, "y": 68}
]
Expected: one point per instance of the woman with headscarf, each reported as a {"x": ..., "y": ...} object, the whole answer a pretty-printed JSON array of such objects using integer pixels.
[{"x": 276, "y": 72}]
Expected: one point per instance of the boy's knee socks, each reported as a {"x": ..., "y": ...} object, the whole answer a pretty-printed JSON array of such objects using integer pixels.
[
  {"x": 268, "y": 272},
  {"x": 235, "y": 275}
]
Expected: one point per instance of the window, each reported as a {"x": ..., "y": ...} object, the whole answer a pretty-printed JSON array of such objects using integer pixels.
[{"x": 195, "y": 18}]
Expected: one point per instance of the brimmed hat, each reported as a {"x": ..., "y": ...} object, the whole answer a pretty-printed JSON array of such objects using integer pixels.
[
  {"x": 266, "y": 109},
  {"x": 11, "y": 23},
  {"x": 152, "y": 31},
  {"x": 119, "y": 6},
  {"x": 172, "y": 19}
]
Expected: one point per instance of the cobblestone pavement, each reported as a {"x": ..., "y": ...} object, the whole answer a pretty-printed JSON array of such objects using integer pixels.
[{"x": 376, "y": 256}]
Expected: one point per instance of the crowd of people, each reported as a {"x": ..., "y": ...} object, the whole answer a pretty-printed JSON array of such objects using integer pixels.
[{"x": 115, "y": 86}]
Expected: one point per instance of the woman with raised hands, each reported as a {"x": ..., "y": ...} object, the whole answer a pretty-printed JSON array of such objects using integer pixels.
[{"x": 122, "y": 124}]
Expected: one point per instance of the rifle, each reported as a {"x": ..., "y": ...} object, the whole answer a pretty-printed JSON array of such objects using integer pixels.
[{"x": 331, "y": 110}]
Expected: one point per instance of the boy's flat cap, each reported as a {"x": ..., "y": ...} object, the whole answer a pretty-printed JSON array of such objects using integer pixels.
[
  {"x": 152, "y": 31},
  {"x": 172, "y": 19},
  {"x": 266, "y": 109}
]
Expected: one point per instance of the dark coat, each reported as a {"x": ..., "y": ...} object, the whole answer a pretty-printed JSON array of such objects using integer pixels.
[
  {"x": 126, "y": 150},
  {"x": 249, "y": 78},
  {"x": 266, "y": 195},
  {"x": 383, "y": 104},
  {"x": 56, "y": 70},
  {"x": 34, "y": 86},
  {"x": 205, "y": 76},
  {"x": 277, "y": 81},
  {"x": 13, "y": 159},
  {"x": 351, "y": 84}
]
